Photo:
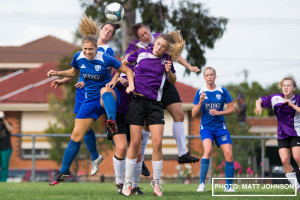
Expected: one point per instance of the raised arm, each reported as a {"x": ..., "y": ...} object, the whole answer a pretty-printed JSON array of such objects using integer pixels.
[
  {"x": 183, "y": 62},
  {"x": 67, "y": 73},
  {"x": 258, "y": 108},
  {"x": 123, "y": 68},
  {"x": 196, "y": 111},
  {"x": 171, "y": 76}
]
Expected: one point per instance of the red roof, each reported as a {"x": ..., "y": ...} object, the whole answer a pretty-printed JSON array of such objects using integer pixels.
[
  {"x": 43, "y": 50},
  {"x": 186, "y": 92},
  {"x": 31, "y": 86}
]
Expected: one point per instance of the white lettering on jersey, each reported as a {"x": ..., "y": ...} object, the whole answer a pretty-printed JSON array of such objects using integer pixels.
[
  {"x": 209, "y": 106},
  {"x": 91, "y": 77}
]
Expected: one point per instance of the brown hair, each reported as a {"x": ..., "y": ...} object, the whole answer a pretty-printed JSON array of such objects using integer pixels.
[
  {"x": 116, "y": 26},
  {"x": 135, "y": 28},
  {"x": 207, "y": 68},
  {"x": 284, "y": 79}
]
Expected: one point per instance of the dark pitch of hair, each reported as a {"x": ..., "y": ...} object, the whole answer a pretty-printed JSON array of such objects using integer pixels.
[
  {"x": 136, "y": 27},
  {"x": 116, "y": 26}
]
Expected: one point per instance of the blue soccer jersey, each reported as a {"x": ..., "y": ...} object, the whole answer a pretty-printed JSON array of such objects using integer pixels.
[
  {"x": 96, "y": 72},
  {"x": 214, "y": 99}
]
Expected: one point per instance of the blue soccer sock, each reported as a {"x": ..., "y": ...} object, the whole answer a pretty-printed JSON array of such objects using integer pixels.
[
  {"x": 109, "y": 105},
  {"x": 90, "y": 141},
  {"x": 70, "y": 153},
  {"x": 229, "y": 173},
  {"x": 203, "y": 169}
]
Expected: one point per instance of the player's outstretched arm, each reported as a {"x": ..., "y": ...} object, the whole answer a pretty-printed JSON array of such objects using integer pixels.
[
  {"x": 183, "y": 62},
  {"x": 258, "y": 108},
  {"x": 196, "y": 111}
]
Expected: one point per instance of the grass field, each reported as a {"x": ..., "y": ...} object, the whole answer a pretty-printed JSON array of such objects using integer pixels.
[{"x": 86, "y": 191}]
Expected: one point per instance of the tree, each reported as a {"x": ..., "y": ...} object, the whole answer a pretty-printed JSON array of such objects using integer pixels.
[{"x": 199, "y": 30}]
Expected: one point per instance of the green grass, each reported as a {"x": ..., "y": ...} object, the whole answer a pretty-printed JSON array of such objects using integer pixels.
[{"x": 87, "y": 191}]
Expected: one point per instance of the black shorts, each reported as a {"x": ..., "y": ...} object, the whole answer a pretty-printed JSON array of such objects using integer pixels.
[
  {"x": 142, "y": 109},
  {"x": 170, "y": 94},
  {"x": 289, "y": 142},
  {"x": 123, "y": 128}
]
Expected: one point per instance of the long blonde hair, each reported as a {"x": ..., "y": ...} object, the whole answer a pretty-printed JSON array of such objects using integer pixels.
[
  {"x": 175, "y": 44},
  {"x": 88, "y": 29},
  {"x": 175, "y": 48}
]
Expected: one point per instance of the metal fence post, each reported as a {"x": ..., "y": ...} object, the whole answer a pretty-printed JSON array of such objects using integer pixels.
[
  {"x": 210, "y": 170},
  {"x": 263, "y": 157},
  {"x": 33, "y": 159}
]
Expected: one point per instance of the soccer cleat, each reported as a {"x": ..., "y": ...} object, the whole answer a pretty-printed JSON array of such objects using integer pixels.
[
  {"x": 187, "y": 158},
  {"x": 112, "y": 125},
  {"x": 95, "y": 165},
  {"x": 229, "y": 190},
  {"x": 120, "y": 187},
  {"x": 57, "y": 177},
  {"x": 137, "y": 191},
  {"x": 126, "y": 190},
  {"x": 201, "y": 188},
  {"x": 157, "y": 188},
  {"x": 145, "y": 170}
]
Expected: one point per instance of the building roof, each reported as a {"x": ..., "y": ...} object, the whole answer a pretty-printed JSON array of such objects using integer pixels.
[
  {"x": 32, "y": 86},
  {"x": 186, "y": 92},
  {"x": 43, "y": 50}
]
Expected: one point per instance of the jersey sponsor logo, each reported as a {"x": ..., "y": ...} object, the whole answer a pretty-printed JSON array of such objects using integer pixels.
[
  {"x": 82, "y": 66},
  {"x": 218, "y": 96},
  {"x": 91, "y": 77},
  {"x": 209, "y": 106},
  {"x": 97, "y": 68},
  {"x": 224, "y": 138}
]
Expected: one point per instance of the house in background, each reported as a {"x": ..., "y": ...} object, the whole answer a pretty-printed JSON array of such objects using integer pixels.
[{"x": 23, "y": 98}]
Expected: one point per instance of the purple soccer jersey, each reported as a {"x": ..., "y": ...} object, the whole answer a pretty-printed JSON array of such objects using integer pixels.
[
  {"x": 288, "y": 118},
  {"x": 150, "y": 73}
]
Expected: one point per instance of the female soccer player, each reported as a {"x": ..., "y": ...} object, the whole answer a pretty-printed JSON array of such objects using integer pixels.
[
  {"x": 286, "y": 108},
  {"x": 209, "y": 103},
  {"x": 106, "y": 32},
  {"x": 95, "y": 69},
  {"x": 170, "y": 99},
  {"x": 152, "y": 68}
]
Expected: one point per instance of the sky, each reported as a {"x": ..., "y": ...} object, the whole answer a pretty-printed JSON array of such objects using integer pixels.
[{"x": 262, "y": 36}]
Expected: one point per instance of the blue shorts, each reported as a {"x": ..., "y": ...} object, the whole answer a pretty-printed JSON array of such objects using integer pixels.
[
  {"x": 91, "y": 107},
  {"x": 79, "y": 97},
  {"x": 219, "y": 136}
]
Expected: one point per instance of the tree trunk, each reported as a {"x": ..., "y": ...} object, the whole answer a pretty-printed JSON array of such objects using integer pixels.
[{"x": 127, "y": 35}]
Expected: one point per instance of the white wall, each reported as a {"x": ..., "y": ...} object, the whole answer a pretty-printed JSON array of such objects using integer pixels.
[{"x": 35, "y": 122}]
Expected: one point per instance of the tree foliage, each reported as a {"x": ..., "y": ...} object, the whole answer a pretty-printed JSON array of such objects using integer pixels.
[{"x": 199, "y": 30}]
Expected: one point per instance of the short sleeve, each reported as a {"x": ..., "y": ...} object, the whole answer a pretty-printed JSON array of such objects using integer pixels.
[
  {"x": 133, "y": 57},
  {"x": 266, "y": 101},
  {"x": 227, "y": 97},
  {"x": 197, "y": 97},
  {"x": 110, "y": 52},
  {"x": 74, "y": 63},
  {"x": 111, "y": 61}
]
